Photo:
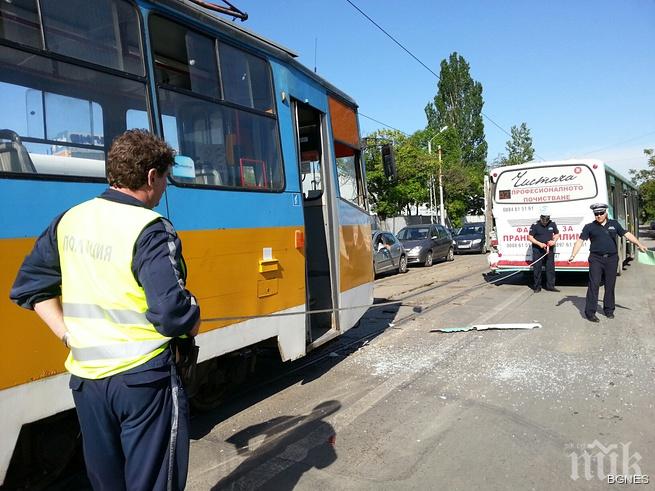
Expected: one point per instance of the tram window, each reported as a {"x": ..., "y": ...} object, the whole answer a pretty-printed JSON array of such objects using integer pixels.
[
  {"x": 344, "y": 130},
  {"x": 104, "y": 32},
  {"x": 63, "y": 130},
  {"x": 229, "y": 147},
  {"x": 246, "y": 79},
  {"x": 349, "y": 172},
  {"x": 184, "y": 58},
  {"x": 310, "y": 178},
  {"x": 137, "y": 119},
  {"x": 73, "y": 120},
  {"x": 19, "y": 22}
]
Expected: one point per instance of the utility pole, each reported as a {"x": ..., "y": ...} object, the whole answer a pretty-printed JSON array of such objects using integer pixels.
[{"x": 442, "y": 211}]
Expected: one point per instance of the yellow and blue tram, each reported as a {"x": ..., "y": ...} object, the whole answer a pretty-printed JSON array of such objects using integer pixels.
[{"x": 268, "y": 193}]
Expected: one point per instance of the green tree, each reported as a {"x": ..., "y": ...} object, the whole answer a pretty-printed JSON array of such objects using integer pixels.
[
  {"x": 462, "y": 184},
  {"x": 458, "y": 104},
  {"x": 409, "y": 190},
  {"x": 519, "y": 147},
  {"x": 645, "y": 179}
]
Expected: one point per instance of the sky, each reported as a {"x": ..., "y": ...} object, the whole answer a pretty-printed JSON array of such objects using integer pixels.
[{"x": 580, "y": 74}]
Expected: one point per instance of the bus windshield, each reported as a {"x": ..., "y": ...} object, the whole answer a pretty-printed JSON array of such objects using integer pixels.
[{"x": 546, "y": 184}]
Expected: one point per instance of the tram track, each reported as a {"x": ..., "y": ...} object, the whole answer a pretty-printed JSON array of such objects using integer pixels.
[
  {"x": 348, "y": 343},
  {"x": 342, "y": 343}
]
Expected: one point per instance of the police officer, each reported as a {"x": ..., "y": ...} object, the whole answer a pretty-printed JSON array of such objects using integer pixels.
[
  {"x": 603, "y": 258},
  {"x": 108, "y": 278},
  {"x": 544, "y": 235}
]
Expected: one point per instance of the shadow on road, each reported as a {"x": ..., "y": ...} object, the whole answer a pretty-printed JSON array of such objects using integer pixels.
[
  {"x": 291, "y": 446},
  {"x": 271, "y": 375}
]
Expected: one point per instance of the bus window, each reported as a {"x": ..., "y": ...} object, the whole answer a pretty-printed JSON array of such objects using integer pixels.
[
  {"x": 184, "y": 58},
  {"x": 66, "y": 128},
  {"x": 19, "y": 22},
  {"x": 229, "y": 147},
  {"x": 104, "y": 32},
  {"x": 246, "y": 79}
]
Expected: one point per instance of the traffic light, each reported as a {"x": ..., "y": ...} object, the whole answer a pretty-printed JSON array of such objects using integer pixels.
[{"x": 389, "y": 161}]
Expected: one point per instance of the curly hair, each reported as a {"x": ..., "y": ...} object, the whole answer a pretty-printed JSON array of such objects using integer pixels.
[{"x": 133, "y": 154}]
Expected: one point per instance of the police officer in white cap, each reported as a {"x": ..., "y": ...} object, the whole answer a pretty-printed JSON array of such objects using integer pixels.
[
  {"x": 544, "y": 235},
  {"x": 603, "y": 258}
]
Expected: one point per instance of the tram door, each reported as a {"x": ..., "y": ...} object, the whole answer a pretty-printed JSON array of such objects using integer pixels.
[{"x": 314, "y": 184}]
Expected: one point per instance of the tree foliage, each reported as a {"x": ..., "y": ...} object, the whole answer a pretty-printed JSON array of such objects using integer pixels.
[
  {"x": 458, "y": 104},
  {"x": 462, "y": 184},
  {"x": 410, "y": 190},
  {"x": 519, "y": 147},
  {"x": 645, "y": 179}
]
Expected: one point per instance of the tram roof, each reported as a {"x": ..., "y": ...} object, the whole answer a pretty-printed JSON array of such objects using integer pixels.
[{"x": 251, "y": 38}]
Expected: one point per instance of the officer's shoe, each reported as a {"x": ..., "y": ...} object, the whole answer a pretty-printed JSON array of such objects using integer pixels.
[
  {"x": 552, "y": 289},
  {"x": 609, "y": 316},
  {"x": 592, "y": 318},
  {"x": 537, "y": 290}
]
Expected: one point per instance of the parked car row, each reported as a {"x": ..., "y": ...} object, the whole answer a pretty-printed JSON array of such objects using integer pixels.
[{"x": 422, "y": 244}]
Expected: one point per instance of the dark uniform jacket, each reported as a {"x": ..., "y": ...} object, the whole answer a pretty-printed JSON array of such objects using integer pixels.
[
  {"x": 602, "y": 237},
  {"x": 543, "y": 233}
]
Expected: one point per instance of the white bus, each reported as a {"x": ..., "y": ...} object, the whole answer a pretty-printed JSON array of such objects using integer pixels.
[{"x": 568, "y": 188}]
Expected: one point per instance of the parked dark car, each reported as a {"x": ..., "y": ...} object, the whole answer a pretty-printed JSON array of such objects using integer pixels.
[
  {"x": 424, "y": 243},
  {"x": 470, "y": 238},
  {"x": 388, "y": 253}
]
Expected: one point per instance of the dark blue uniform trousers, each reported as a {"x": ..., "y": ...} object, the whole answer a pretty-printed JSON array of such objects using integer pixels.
[
  {"x": 549, "y": 262},
  {"x": 134, "y": 430},
  {"x": 601, "y": 266}
]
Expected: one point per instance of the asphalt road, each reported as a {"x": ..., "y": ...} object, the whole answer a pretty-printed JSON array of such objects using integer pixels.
[{"x": 559, "y": 407}]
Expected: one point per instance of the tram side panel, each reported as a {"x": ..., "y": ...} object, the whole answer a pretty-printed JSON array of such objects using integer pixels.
[{"x": 243, "y": 264}]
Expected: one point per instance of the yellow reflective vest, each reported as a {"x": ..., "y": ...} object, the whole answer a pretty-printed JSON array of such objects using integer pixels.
[{"x": 104, "y": 306}]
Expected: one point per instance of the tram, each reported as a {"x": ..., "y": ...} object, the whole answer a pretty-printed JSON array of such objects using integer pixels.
[
  {"x": 268, "y": 192},
  {"x": 568, "y": 188}
]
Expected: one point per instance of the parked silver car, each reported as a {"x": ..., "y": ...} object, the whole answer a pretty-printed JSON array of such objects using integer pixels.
[
  {"x": 424, "y": 243},
  {"x": 388, "y": 253}
]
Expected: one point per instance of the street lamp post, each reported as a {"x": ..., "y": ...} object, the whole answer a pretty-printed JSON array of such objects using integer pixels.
[{"x": 442, "y": 218}]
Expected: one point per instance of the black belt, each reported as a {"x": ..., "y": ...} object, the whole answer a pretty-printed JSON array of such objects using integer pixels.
[{"x": 604, "y": 255}]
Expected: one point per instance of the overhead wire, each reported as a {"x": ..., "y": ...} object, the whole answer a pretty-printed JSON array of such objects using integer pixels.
[
  {"x": 380, "y": 122},
  {"x": 423, "y": 65},
  {"x": 619, "y": 143}
]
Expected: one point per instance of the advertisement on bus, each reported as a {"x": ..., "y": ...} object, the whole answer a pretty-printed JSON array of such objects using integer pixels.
[{"x": 523, "y": 193}]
